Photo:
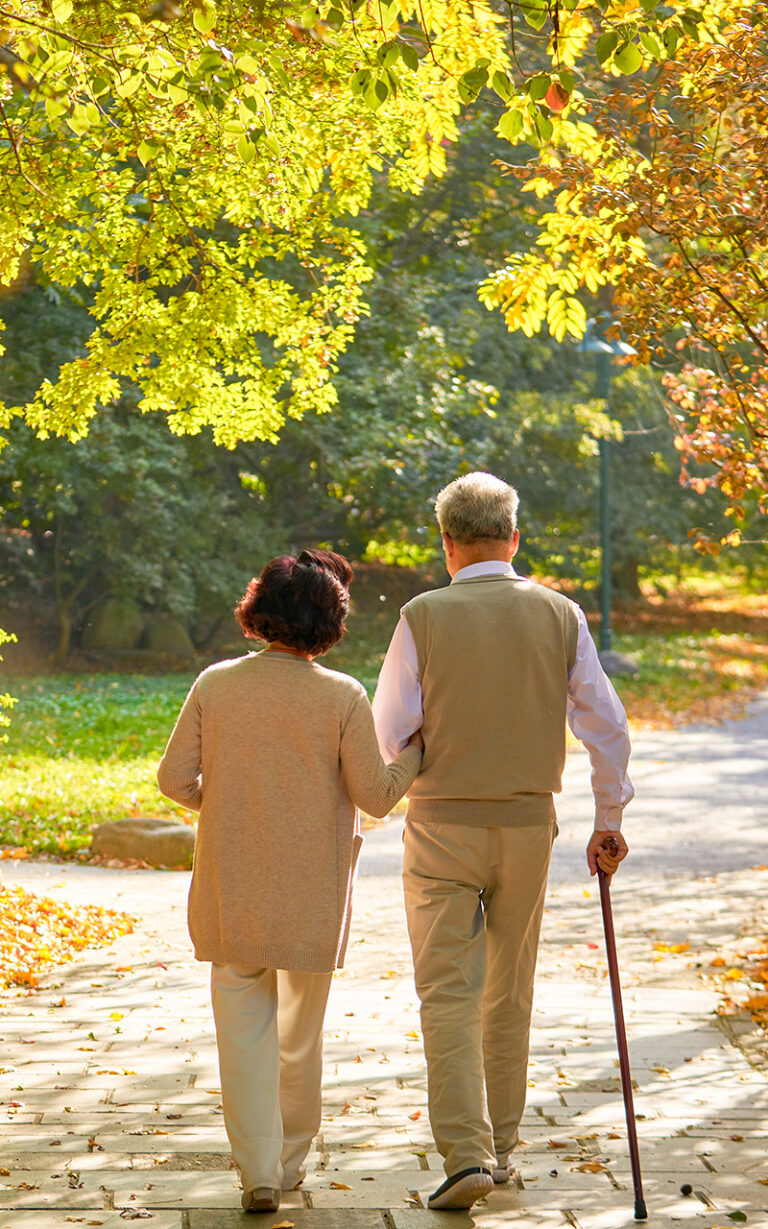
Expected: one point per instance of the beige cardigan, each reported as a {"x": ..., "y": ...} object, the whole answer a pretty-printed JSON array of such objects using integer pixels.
[{"x": 276, "y": 752}]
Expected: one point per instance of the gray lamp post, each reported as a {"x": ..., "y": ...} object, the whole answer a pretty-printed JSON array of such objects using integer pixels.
[{"x": 595, "y": 342}]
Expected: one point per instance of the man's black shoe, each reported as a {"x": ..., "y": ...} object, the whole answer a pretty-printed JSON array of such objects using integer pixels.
[{"x": 461, "y": 1190}]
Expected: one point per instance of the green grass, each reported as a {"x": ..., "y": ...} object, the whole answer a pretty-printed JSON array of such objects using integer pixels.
[{"x": 84, "y": 749}]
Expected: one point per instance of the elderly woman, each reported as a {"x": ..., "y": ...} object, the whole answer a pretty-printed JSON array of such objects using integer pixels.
[{"x": 276, "y": 753}]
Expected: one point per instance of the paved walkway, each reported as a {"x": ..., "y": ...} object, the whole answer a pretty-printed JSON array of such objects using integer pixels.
[{"x": 109, "y": 1087}]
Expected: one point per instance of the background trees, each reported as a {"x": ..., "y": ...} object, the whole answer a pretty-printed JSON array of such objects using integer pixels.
[{"x": 208, "y": 203}]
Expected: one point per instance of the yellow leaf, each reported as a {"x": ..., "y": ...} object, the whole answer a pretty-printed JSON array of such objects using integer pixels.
[{"x": 116, "y": 1015}]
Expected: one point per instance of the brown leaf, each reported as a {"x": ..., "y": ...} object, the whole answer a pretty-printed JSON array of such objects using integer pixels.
[
  {"x": 589, "y": 1167},
  {"x": 340, "y": 1186}
]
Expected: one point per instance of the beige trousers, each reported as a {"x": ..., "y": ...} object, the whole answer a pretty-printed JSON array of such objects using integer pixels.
[
  {"x": 474, "y": 898},
  {"x": 269, "y": 1032}
]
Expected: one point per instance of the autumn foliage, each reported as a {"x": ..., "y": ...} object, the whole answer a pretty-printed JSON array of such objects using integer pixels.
[
  {"x": 37, "y": 933},
  {"x": 665, "y": 214}
]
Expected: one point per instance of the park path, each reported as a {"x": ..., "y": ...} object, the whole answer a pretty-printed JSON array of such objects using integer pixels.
[{"x": 109, "y": 1106}]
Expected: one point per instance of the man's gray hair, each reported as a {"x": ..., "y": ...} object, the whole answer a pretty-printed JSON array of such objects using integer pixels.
[{"x": 477, "y": 506}]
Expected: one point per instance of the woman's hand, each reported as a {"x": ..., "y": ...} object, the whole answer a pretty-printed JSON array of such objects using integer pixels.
[{"x": 416, "y": 740}]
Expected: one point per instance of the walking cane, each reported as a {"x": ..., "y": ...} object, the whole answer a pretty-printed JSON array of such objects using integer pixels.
[{"x": 610, "y": 844}]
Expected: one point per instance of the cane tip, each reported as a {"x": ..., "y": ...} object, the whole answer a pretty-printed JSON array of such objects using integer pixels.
[{"x": 640, "y": 1212}]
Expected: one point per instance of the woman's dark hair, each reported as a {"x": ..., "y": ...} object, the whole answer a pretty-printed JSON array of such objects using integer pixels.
[{"x": 300, "y": 601}]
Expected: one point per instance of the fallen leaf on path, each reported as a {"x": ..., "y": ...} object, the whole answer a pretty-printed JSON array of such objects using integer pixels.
[
  {"x": 284, "y": 1224},
  {"x": 340, "y": 1186},
  {"x": 589, "y": 1167},
  {"x": 661, "y": 1070},
  {"x": 414, "y": 1116}
]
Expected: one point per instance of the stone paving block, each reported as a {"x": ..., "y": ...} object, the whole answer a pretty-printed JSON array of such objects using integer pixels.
[
  {"x": 302, "y": 1218},
  {"x": 205, "y": 1189},
  {"x": 481, "y": 1217},
  {"x": 369, "y": 1191},
  {"x": 381, "y": 1160},
  {"x": 60, "y": 1219},
  {"x": 164, "y": 1141}
]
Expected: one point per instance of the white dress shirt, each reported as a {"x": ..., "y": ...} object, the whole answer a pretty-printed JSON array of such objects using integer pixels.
[{"x": 595, "y": 713}]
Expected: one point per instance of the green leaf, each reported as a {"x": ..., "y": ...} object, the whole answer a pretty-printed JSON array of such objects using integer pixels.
[
  {"x": 511, "y": 125},
  {"x": 691, "y": 28},
  {"x": 360, "y": 80},
  {"x": 147, "y": 150},
  {"x": 388, "y": 53},
  {"x": 248, "y": 64},
  {"x": 246, "y": 149},
  {"x": 501, "y": 83},
  {"x": 606, "y": 45},
  {"x": 128, "y": 86},
  {"x": 204, "y": 19},
  {"x": 737, "y": 1216},
  {"x": 652, "y": 45},
  {"x": 55, "y": 107},
  {"x": 61, "y": 10},
  {"x": 535, "y": 12},
  {"x": 409, "y": 56},
  {"x": 567, "y": 80},
  {"x": 628, "y": 58},
  {"x": 671, "y": 39},
  {"x": 536, "y": 87},
  {"x": 543, "y": 127}
]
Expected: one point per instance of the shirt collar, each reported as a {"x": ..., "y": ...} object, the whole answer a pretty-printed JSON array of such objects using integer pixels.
[{"x": 491, "y": 567}]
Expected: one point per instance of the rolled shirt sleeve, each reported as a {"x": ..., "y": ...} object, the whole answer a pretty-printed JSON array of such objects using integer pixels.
[
  {"x": 596, "y": 717},
  {"x": 397, "y": 709}
]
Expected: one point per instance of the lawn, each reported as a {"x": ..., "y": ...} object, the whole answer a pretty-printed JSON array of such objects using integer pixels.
[{"x": 83, "y": 749}]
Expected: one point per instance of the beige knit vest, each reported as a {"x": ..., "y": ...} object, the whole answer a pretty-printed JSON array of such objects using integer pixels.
[{"x": 494, "y": 654}]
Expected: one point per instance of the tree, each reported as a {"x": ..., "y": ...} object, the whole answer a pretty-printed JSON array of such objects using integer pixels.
[
  {"x": 196, "y": 170},
  {"x": 668, "y": 209}
]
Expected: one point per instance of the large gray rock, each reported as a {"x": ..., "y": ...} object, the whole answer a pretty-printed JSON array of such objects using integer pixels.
[
  {"x": 616, "y": 663},
  {"x": 114, "y": 625},
  {"x": 161, "y": 842},
  {"x": 165, "y": 634}
]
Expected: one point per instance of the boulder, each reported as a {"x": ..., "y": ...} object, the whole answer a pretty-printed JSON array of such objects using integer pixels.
[
  {"x": 161, "y": 842},
  {"x": 115, "y": 624},
  {"x": 168, "y": 635},
  {"x": 616, "y": 663}
]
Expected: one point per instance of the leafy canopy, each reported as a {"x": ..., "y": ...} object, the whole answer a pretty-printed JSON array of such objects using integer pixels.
[{"x": 193, "y": 172}]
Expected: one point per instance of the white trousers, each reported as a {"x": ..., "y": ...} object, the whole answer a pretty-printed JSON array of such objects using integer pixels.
[
  {"x": 269, "y": 1033},
  {"x": 474, "y": 898}
]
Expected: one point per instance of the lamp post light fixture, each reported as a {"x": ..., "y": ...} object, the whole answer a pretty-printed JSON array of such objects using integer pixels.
[{"x": 605, "y": 351}]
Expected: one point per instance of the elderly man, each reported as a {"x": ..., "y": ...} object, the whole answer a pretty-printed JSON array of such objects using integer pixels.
[{"x": 489, "y": 668}]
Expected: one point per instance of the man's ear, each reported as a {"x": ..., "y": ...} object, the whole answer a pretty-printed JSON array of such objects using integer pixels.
[
  {"x": 448, "y": 544},
  {"x": 515, "y": 542}
]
